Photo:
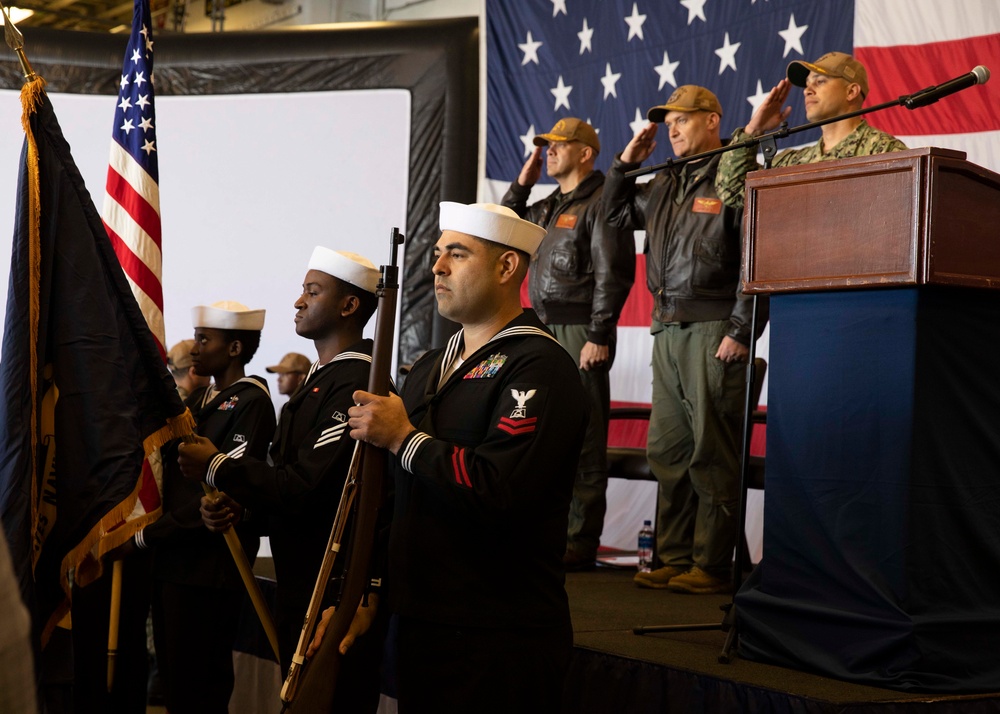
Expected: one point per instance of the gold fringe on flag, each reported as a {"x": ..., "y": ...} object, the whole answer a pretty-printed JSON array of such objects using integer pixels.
[
  {"x": 85, "y": 561},
  {"x": 113, "y": 529},
  {"x": 32, "y": 95}
]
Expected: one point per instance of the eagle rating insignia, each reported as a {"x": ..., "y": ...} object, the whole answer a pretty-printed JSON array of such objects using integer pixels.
[{"x": 519, "y": 422}]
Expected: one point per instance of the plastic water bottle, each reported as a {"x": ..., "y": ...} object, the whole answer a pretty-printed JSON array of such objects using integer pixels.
[{"x": 646, "y": 547}]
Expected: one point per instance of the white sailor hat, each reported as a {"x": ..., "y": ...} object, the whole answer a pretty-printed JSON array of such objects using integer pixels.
[
  {"x": 493, "y": 223},
  {"x": 349, "y": 267},
  {"x": 227, "y": 315}
]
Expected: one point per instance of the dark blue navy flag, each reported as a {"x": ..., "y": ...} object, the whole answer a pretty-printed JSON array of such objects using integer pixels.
[
  {"x": 79, "y": 370},
  {"x": 609, "y": 61}
]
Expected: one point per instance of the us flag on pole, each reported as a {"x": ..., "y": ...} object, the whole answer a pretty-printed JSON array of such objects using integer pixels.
[
  {"x": 132, "y": 203},
  {"x": 131, "y": 212}
]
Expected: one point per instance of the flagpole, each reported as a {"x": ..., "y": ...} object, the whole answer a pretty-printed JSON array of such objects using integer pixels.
[
  {"x": 15, "y": 40},
  {"x": 249, "y": 580},
  {"x": 116, "y": 609}
]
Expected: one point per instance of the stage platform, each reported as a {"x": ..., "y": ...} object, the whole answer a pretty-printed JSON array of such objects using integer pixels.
[
  {"x": 614, "y": 671},
  {"x": 617, "y": 672}
]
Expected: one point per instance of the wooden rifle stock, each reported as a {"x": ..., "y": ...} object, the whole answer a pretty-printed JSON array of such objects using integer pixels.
[
  {"x": 295, "y": 669},
  {"x": 317, "y": 680}
]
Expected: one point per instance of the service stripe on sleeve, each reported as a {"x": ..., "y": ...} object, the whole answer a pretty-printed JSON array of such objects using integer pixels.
[
  {"x": 458, "y": 465},
  {"x": 406, "y": 458},
  {"x": 213, "y": 466},
  {"x": 331, "y": 435}
]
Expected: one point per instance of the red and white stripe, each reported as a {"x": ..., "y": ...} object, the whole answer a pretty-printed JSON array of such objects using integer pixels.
[
  {"x": 907, "y": 45},
  {"x": 132, "y": 218}
]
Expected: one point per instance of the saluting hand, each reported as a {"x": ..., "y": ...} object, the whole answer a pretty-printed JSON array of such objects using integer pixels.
[
  {"x": 532, "y": 170},
  {"x": 641, "y": 146},
  {"x": 770, "y": 114}
]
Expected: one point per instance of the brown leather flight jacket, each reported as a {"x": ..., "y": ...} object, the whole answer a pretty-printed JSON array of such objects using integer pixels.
[
  {"x": 583, "y": 270},
  {"x": 693, "y": 243}
]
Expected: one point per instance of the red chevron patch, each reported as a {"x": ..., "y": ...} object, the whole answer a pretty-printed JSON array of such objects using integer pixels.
[{"x": 517, "y": 426}]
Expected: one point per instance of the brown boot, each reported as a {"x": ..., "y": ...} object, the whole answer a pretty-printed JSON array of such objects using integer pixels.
[
  {"x": 696, "y": 581},
  {"x": 656, "y": 579}
]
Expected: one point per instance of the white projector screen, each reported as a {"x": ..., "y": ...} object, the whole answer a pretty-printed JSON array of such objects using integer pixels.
[{"x": 249, "y": 184}]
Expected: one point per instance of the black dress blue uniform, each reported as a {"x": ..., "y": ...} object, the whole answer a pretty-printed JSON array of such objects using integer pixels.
[
  {"x": 197, "y": 590},
  {"x": 482, "y": 493},
  {"x": 300, "y": 492}
]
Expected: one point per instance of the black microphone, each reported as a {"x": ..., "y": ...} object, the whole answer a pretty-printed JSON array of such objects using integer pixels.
[{"x": 979, "y": 75}]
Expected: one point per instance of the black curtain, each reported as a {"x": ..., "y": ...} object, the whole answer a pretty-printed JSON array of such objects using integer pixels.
[{"x": 436, "y": 61}]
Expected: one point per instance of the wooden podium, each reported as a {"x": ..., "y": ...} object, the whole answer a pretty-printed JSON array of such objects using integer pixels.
[
  {"x": 882, "y": 502},
  {"x": 918, "y": 217}
]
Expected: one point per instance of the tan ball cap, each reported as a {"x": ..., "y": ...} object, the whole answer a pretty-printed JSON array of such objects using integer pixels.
[
  {"x": 292, "y": 362},
  {"x": 832, "y": 64},
  {"x": 570, "y": 129},
  {"x": 179, "y": 356},
  {"x": 686, "y": 98}
]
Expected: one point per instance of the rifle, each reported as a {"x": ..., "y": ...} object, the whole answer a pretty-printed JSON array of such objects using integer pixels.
[{"x": 304, "y": 690}]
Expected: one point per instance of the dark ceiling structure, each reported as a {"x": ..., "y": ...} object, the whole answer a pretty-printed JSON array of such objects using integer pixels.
[{"x": 105, "y": 15}]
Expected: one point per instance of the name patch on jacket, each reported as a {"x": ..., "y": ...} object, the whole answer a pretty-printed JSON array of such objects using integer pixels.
[
  {"x": 567, "y": 220},
  {"x": 487, "y": 369},
  {"x": 707, "y": 205},
  {"x": 519, "y": 422},
  {"x": 229, "y": 404}
]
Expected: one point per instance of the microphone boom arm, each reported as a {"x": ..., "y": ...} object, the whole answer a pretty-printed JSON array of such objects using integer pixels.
[{"x": 979, "y": 75}]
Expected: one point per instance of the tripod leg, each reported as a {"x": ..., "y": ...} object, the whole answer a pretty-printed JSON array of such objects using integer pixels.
[
  {"x": 653, "y": 629},
  {"x": 727, "y": 656},
  {"x": 729, "y": 627},
  {"x": 729, "y": 622}
]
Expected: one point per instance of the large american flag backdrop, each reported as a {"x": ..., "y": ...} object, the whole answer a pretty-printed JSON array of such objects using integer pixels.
[
  {"x": 608, "y": 61},
  {"x": 131, "y": 210}
]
